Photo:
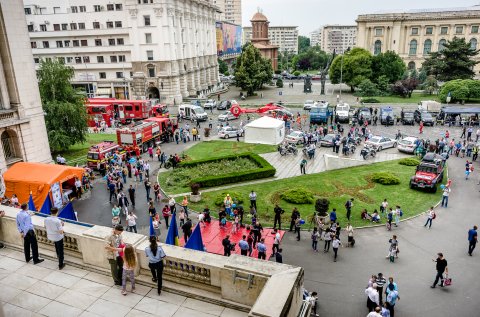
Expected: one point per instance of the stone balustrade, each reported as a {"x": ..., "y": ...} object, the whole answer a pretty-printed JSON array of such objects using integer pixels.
[{"x": 265, "y": 288}]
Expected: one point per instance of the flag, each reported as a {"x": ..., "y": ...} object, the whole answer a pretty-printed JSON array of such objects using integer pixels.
[
  {"x": 31, "y": 205},
  {"x": 47, "y": 205},
  {"x": 68, "y": 212},
  {"x": 152, "y": 232},
  {"x": 172, "y": 235},
  {"x": 195, "y": 241}
]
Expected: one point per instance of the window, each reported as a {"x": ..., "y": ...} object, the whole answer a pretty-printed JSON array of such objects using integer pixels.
[
  {"x": 67, "y": 43},
  {"x": 120, "y": 41},
  {"x": 59, "y": 44},
  {"x": 84, "y": 42},
  {"x": 475, "y": 29},
  {"x": 146, "y": 20},
  {"x": 118, "y": 7},
  {"x": 111, "y": 42},
  {"x": 150, "y": 55},
  {"x": 81, "y": 26},
  {"x": 98, "y": 42},
  {"x": 458, "y": 29},
  {"x": 74, "y": 9},
  {"x": 43, "y": 27},
  {"x": 64, "y": 26},
  {"x": 97, "y": 8},
  {"x": 102, "y": 75},
  {"x": 413, "y": 47},
  {"x": 69, "y": 60},
  {"x": 109, "y": 25},
  {"x": 441, "y": 45},
  {"x": 96, "y": 25},
  {"x": 83, "y": 9},
  {"x": 73, "y": 26},
  {"x": 429, "y": 30},
  {"x": 151, "y": 71},
  {"x": 119, "y": 74},
  {"x": 378, "y": 32},
  {"x": 118, "y": 24},
  {"x": 148, "y": 38},
  {"x": 414, "y": 31},
  {"x": 56, "y": 27},
  {"x": 377, "y": 48},
  {"x": 110, "y": 7},
  {"x": 56, "y": 10},
  {"x": 28, "y": 11},
  {"x": 30, "y": 28},
  {"x": 113, "y": 59},
  {"x": 473, "y": 44},
  {"x": 121, "y": 58},
  {"x": 444, "y": 30},
  {"x": 45, "y": 44},
  {"x": 36, "y": 60},
  {"x": 33, "y": 44},
  {"x": 61, "y": 60},
  {"x": 48, "y": 59},
  {"x": 427, "y": 47},
  {"x": 411, "y": 65},
  {"x": 86, "y": 59},
  {"x": 100, "y": 59},
  {"x": 78, "y": 60},
  {"x": 9, "y": 142},
  {"x": 76, "y": 43}
]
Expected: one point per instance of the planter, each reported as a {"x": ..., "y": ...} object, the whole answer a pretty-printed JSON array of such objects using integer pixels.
[{"x": 195, "y": 198}]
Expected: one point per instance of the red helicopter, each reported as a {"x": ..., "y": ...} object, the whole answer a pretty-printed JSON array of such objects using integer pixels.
[{"x": 270, "y": 109}]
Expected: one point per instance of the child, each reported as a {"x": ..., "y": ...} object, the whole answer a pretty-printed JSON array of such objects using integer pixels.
[
  {"x": 223, "y": 222},
  {"x": 392, "y": 254},
  {"x": 315, "y": 236},
  {"x": 129, "y": 263}
]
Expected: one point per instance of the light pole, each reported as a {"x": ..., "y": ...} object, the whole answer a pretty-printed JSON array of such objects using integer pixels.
[{"x": 341, "y": 75}]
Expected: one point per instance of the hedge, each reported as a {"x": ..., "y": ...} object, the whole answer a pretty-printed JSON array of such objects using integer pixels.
[
  {"x": 264, "y": 170},
  {"x": 409, "y": 161},
  {"x": 385, "y": 178},
  {"x": 298, "y": 196}
]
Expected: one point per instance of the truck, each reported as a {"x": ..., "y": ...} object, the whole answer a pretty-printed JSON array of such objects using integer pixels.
[
  {"x": 192, "y": 112},
  {"x": 342, "y": 113},
  {"x": 387, "y": 117},
  {"x": 101, "y": 152},
  {"x": 320, "y": 113},
  {"x": 123, "y": 111},
  {"x": 139, "y": 136},
  {"x": 430, "y": 106},
  {"x": 429, "y": 172}
]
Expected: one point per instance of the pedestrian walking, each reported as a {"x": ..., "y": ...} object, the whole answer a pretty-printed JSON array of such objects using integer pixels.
[
  {"x": 446, "y": 193},
  {"x": 250, "y": 243},
  {"x": 171, "y": 204},
  {"x": 430, "y": 216},
  {"x": 166, "y": 215},
  {"x": 156, "y": 191},
  {"x": 391, "y": 299},
  {"x": 328, "y": 240},
  {"x": 131, "y": 194},
  {"x": 420, "y": 127},
  {"x": 27, "y": 232},
  {"x": 348, "y": 206},
  {"x": 148, "y": 186},
  {"x": 185, "y": 205},
  {"x": 131, "y": 222},
  {"x": 381, "y": 281},
  {"x": 297, "y": 227},
  {"x": 303, "y": 164},
  {"x": 276, "y": 241},
  {"x": 155, "y": 255},
  {"x": 315, "y": 237},
  {"x": 442, "y": 267},
  {"x": 472, "y": 239},
  {"x": 115, "y": 241},
  {"x": 336, "y": 243},
  {"x": 372, "y": 297},
  {"x": 54, "y": 228},
  {"x": 393, "y": 250}
]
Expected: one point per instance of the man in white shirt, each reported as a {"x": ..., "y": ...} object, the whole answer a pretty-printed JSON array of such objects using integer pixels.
[
  {"x": 253, "y": 199},
  {"x": 54, "y": 227},
  {"x": 446, "y": 193},
  {"x": 375, "y": 313},
  {"x": 372, "y": 297}
]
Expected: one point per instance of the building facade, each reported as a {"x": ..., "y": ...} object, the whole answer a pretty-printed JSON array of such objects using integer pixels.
[
  {"x": 260, "y": 38},
  {"x": 336, "y": 38},
  {"x": 230, "y": 11},
  {"x": 22, "y": 126},
  {"x": 316, "y": 37},
  {"x": 414, "y": 34},
  {"x": 285, "y": 37},
  {"x": 129, "y": 48}
]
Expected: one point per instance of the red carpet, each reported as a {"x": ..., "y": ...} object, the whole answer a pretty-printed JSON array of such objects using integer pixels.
[{"x": 213, "y": 234}]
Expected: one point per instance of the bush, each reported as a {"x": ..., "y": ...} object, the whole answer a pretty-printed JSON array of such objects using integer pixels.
[
  {"x": 297, "y": 196},
  {"x": 385, "y": 178},
  {"x": 321, "y": 206},
  {"x": 367, "y": 88},
  {"x": 227, "y": 73},
  {"x": 296, "y": 73},
  {"x": 409, "y": 161},
  {"x": 195, "y": 188},
  {"x": 370, "y": 100},
  {"x": 279, "y": 83},
  {"x": 236, "y": 197}
]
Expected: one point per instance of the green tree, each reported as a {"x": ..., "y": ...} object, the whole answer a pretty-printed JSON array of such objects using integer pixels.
[
  {"x": 303, "y": 43},
  {"x": 430, "y": 85},
  {"x": 388, "y": 64},
  {"x": 460, "y": 90},
  {"x": 355, "y": 68},
  {"x": 222, "y": 66},
  {"x": 368, "y": 88},
  {"x": 65, "y": 114},
  {"x": 312, "y": 58},
  {"x": 252, "y": 71},
  {"x": 454, "y": 61}
]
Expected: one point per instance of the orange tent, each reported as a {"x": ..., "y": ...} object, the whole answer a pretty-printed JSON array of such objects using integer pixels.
[{"x": 37, "y": 178}]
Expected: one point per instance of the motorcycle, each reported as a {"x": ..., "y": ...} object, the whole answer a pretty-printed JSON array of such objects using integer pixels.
[
  {"x": 287, "y": 149},
  {"x": 368, "y": 151},
  {"x": 349, "y": 149},
  {"x": 308, "y": 153}
]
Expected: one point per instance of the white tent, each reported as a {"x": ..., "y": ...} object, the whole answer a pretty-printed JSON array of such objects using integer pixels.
[{"x": 265, "y": 130}]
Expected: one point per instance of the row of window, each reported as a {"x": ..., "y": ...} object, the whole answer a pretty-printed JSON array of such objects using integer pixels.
[
  {"x": 75, "y": 26},
  {"x": 77, "y": 9},
  {"x": 427, "y": 46},
  {"x": 78, "y": 43},
  {"x": 429, "y": 30},
  {"x": 85, "y": 59}
]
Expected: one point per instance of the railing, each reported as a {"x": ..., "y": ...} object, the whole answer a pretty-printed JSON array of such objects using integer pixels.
[
  {"x": 7, "y": 115},
  {"x": 187, "y": 271},
  {"x": 69, "y": 243}
]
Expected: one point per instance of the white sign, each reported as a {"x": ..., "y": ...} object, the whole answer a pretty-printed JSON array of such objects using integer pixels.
[{"x": 57, "y": 195}]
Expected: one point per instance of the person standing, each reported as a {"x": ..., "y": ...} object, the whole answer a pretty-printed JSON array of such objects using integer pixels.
[
  {"x": 115, "y": 241},
  {"x": 372, "y": 297},
  {"x": 293, "y": 218},
  {"x": 315, "y": 236},
  {"x": 336, "y": 243},
  {"x": 253, "y": 199},
  {"x": 131, "y": 222},
  {"x": 303, "y": 164},
  {"x": 278, "y": 256},
  {"x": 262, "y": 249},
  {"x": 54, "y": 227},
  {"x": 328, "y": 240},
  {"x": 156, "y": 191},
  {"x": 391, "y": 299},
  {"x": 155, "y": 255},
  {"x": 187, "y": 229},
  {"x": 381, "y": 281},
  {"x": 446, "y": 193},
  {"x": 472, "y": 239},
  {"x": 131, "y": 194},
  {"x": 442, "y": 267},
  {"x": 27, "y": 232},
  {"x": 171, "y": 204},
  {"x": 227, "y": 246},
  {"x": 243, "y": 245},
  {"x": 276, "y": 241},
  {"x": 278, "y": 217},
  {"x": 430, "y": 216},
  {"x": 166, "y": 214},
  {"x": 349, "y": 230},
  {"x": 348, "y": 206},
  {"x": 393, "y": 249},
  {"x": 297, "y": 227},
  {"x": 148, "y": 186}
]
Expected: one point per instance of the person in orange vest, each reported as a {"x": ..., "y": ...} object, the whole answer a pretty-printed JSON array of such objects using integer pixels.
[{"x": 137, "y": 151}]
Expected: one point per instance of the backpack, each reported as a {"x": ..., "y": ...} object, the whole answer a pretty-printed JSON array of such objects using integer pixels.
[
  {"x": 401, "y": 213},
  {"x": 434, "y": 216}
]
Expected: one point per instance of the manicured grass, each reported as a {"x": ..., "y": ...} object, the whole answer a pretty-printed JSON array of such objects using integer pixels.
[
  {"x": 219, "y": 148},
  {"x": 77, "y": 153},
  {"x": 337, "y": 186},
  {"x": 415, "y": 99}
]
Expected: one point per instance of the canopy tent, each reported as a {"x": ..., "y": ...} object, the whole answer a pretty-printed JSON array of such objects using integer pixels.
[
  {"x": 39, "y": 179},
  {"x": 265, "y": 130},
  {"x": 461, "y": 110}
]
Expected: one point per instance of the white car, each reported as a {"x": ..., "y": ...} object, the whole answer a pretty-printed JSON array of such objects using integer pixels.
[
  {"x": 226, "y": 116},
  {"x": 381, "y": 142},
  {"x": 407, "y": 144},
  {"x": 229, "y": 132},
  {"x": 210, "y": 104},
  {"x": 308, "y": 104},
  {"x": 295, "y": 137}
]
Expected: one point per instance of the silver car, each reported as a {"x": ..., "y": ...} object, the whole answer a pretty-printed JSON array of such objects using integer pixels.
[
  {"x": 229, "y": 132},
  {"x": 210, "y": 104},
  {"x": 226, "y": 116},
  {"x": 381, "y": 142},
  {"x": 308, "y": 104}
]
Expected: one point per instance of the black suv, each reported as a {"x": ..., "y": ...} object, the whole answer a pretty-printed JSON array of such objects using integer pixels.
[
  {"x": 364, "y": 114},
  {"x": 224, "y": 105},
  {"x": 424, "y": 116},
  {"x": 408, "y": 118}
]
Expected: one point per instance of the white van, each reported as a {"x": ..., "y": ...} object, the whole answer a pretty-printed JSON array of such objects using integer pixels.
[
  {"x": 342, "y": 112},
  {"x": 192, "y": 112}
]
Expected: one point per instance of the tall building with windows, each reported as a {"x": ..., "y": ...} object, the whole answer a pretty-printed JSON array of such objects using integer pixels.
[
  {"x": 285, "y": 37},
  {"x": 129, "y": 48},
  {"x": 334, "y": 37},
  {"x": 413, "y": 34},
  {"x": 316, "y": 37},
  {"x": 230, "y": 11},
  {"x": 22, "y": 126}
]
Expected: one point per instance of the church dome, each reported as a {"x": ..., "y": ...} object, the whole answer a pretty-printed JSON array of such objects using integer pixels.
[{"x": 259, "y": 17}]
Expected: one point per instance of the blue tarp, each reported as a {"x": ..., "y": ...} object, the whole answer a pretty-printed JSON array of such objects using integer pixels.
[
  {"x": 459, "y": 110},
  {"x": 47, "y": 205},
  {"x": 195, "y": 242},
  {"x": 31, "y": 205},
  {"x": 67, "y": 212}
]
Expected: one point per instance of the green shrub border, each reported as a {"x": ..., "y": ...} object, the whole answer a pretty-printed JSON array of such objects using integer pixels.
[{"x": 264, "y": 170}]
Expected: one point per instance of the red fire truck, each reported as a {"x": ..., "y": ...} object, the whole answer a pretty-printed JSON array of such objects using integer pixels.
[
  {"x": 160, "y": 110},
  {"x": 139, "y": 136},
  {"x": 166, "y": 124},
  {"x": 124, "y": 111},
  {"x": 101, "y": 152}
]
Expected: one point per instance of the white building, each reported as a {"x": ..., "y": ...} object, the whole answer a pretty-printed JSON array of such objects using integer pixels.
[
  {"x": 22, "y": 126},
  {"x": 230, "y": 11},
  {"x": 285, "y": 37},
  {"x": 316, "y": 37},
  {"x": 129, "y": 48},
  {"x": 335, "y": 37}
]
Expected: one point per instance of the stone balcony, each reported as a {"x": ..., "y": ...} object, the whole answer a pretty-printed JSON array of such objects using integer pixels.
[{"x": 208, "y": 284}]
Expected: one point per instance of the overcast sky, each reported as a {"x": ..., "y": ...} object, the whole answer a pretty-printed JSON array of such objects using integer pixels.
[{"x": 308, "y": 15}]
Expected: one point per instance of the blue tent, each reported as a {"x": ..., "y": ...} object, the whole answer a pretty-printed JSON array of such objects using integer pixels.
[
  {"x": 152, "y": 232},
  {"x": 195, "y": 242},
  {"x": 31, "y": 205},
  {"x": 172, "y": 235},
  {"x": 47, "y": 205},
  {"x": 67, "y": 212}
]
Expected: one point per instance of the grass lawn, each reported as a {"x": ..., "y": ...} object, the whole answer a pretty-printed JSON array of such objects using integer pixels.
[
  {"x": 219, "y": 148},
  {"x": 415, "y": 99},
  {"x": 337, "y": 186},
  {"x": 77, "y": 153}
]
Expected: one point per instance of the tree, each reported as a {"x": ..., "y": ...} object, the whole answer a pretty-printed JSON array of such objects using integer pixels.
[
  {"x": 355, "y": 68},
  {"x": 405, "y": 87},
  {"x": 321, "y": 206},
  {"x": 430, "y": 85},
  {"x": 222, "y": 66},
  {"x": 453, "y": 61},
  {"x": 368, "y": 89},
  {"x": 312, "y": 58},
  {"x": 252, "y": 71},
  {"x": 388, "y": 64},
  {"x": 65, "y": 115},
  {"x": 460, "y": 90},
  {"x": 303, "y": 43}
]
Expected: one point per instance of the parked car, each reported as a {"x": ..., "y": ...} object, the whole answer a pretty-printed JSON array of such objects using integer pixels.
[
  {"x": 342, "y": 112},
  {"x": 226, "y": 116},
  {"x": 407, "y": 145},
  {"x": 424, "y": 116},
  {"x": 230, "y": 132},
  {"x": 429, "y": 172},
  {"x": 387, "y": 117},
  {"x": 210, "y": 104},
  {"x": 308, "y": 104},
  {"x": 381, "y": 142},
  {"x": 295, "y": 137},
  {"x": 364, "y": 114},
  {"x": 224, "y": 105},
  {"x": 408, "y": 118},
  {"x": 327, "y": 141}
]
